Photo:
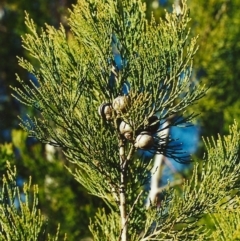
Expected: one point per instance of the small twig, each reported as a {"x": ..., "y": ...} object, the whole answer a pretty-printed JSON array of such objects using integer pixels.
[
  {"x": 134, "y": 204},
  {"x": 170, "y": 165},
  {"x": 171, "y": 184}
]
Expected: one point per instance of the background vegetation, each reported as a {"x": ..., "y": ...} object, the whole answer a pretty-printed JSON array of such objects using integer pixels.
[{"x": 60, "y": 197}]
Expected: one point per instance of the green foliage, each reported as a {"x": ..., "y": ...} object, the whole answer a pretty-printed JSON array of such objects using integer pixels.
[
  {"x": 73, "y": 72},
  {"x": 60, "y": 198},
  {"x": 215, "y": 191},
  {"x": 6, "y": 154},
  {"x": 26, "y": 221},
  {"x": 218, "y": 183},
  {"x": 74, "y": 75},
  {"x": 11, "y": 27},
  {"x": 217, "y": 24},
  {"x": 227, "y": 224}
]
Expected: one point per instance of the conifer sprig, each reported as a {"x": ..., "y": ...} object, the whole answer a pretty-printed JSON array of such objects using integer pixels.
[
  {"x": 20, "y": 217},
  {"x": 104, "y": 91}
]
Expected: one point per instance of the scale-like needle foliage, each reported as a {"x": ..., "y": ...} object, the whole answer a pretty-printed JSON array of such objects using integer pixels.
[
  {"x": 20, "y": 218},
  {"x": 227, "y": 223},
  {"x": 113, "y": 52}
]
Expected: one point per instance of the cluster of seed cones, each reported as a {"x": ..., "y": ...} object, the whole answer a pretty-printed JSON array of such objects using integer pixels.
[{"x": 143, "y": 138}]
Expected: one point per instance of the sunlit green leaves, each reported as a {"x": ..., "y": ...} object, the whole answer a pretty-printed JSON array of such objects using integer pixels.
[{"x": 20, "y": 217}]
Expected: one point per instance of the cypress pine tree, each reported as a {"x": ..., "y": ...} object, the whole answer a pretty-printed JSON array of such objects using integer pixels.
[{"x": 108, "y": 90}]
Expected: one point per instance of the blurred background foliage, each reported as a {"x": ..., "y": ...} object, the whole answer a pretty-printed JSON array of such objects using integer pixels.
[{"x": 216, "y": 63}]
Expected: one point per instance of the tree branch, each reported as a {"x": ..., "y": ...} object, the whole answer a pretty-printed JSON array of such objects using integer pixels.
[{"x": 122, "y": 205}]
